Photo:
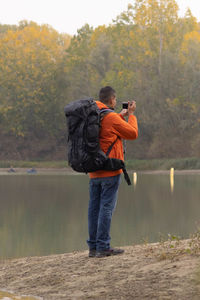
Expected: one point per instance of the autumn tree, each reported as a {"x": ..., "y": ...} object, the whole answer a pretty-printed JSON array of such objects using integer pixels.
[{"x": 29, "y": 59}]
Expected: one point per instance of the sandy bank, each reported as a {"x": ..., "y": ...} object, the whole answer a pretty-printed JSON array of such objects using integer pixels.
[{"x": 150, "y": 271}]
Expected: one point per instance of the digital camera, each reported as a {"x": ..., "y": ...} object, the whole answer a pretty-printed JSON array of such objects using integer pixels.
[{"x": 125, "y": 105}]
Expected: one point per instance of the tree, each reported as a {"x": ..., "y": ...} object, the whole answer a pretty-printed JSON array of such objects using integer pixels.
[{"x": 29, "y": 59}]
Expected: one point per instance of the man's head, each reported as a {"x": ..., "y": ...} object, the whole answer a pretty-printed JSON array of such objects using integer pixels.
[{"x": 107, "y": 95}]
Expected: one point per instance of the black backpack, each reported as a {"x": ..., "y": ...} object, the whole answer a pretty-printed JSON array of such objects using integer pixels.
[{"x": 84, "y": 153}]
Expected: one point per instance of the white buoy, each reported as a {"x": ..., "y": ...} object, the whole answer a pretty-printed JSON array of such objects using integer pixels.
[
  {"x": 172, "y": 172},
  {"x": 172, "y": 179},
  {"x": 134, "y": 179}
]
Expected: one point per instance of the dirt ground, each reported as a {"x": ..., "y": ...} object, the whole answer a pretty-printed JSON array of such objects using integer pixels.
[{"x": 151, "y": 271}]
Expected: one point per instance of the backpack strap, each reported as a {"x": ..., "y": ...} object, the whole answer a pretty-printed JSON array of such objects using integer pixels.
[
  {"x": 103, "y": 112},
  {"x": 110, "y": 147},
  {"x": 126, "y": 176}
]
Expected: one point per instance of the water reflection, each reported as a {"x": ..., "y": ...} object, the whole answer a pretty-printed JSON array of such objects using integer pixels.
[{"x": 41, "y": 215}]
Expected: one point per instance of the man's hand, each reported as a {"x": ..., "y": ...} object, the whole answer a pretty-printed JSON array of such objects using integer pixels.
[
  {"x": 130, "y": 110},
  {"x": 124, "y": 112},
  {"x": 131, "y": 107}
]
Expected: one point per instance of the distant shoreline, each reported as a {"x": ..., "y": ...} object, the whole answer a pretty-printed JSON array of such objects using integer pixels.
[
  {"x": 138, "y": 165},
  {"x": 69, "y": 171},
  {"x": 39, "y": 171}
]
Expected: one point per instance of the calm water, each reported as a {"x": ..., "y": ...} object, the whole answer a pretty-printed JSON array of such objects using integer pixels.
[{"x": 47, "y": 214}]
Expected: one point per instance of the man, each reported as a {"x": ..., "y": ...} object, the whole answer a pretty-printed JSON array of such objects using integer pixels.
[{"x": 104, "y": 184}]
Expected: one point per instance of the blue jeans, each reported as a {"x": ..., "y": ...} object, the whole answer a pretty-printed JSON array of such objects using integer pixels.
[{"x": 103, "y": 198}]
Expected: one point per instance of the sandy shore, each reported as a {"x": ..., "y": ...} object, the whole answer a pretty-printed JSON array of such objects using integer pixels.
[{"x": 152, "y": 271}]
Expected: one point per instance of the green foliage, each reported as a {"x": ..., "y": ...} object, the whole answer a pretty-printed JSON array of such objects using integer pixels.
[
  {"x": 191, "y": 163},
  {"x": 173, "y": 247},
  {"x": 33, "y": 164}
]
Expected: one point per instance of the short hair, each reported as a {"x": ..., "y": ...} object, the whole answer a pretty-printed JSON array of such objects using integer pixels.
[{"x": 106, "y": 93}]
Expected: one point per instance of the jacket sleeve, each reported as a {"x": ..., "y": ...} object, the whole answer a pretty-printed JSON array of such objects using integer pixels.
[{"x": 125, "y": 130}]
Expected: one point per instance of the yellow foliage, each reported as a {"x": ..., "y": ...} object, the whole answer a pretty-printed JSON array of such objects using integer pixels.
[
  {"x": 131, "y": 34},
  {"x": 173, "y": 102},
  {"x": 148, "y": 53},
  {"x": 96, "y": 34},
  {"x": 191, "y": 38},
  {"x": 29, "y": 57},
  {"x": 194, "y": 36}
]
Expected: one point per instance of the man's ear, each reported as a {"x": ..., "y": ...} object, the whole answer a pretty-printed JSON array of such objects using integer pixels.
[
  {"x": 113, "y": 100},
  {"x": 110, "y": 102}
]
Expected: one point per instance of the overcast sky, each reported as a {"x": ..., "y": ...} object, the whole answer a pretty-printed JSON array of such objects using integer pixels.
[{"x": 69, "y": 15}]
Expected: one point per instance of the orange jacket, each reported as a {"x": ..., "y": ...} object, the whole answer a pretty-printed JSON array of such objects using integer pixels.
[{"x": 113, "y": 125}]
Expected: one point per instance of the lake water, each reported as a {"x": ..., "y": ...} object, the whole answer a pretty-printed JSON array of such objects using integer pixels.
[{"x": 47, "y": 214}]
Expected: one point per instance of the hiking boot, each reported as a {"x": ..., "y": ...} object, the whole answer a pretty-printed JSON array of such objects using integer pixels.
[
  {"x": 92, "y": 253},
  {"x": 109, "y": 252}
]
